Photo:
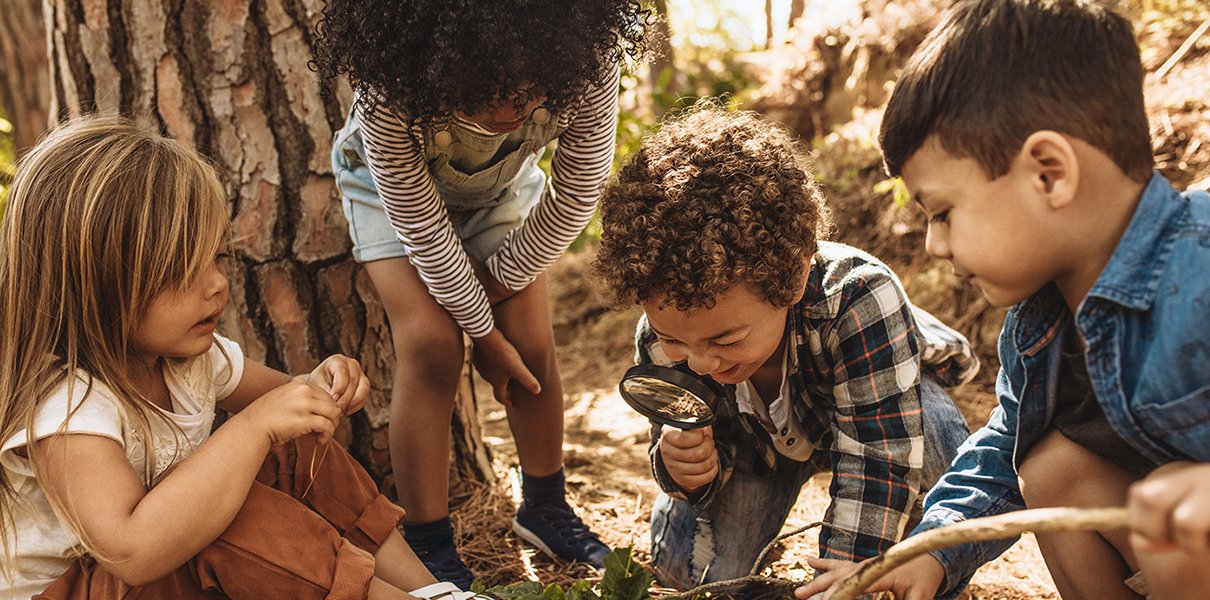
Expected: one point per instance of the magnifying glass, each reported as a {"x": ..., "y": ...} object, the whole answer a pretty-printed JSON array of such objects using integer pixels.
[{"x": 668, "y": 396}]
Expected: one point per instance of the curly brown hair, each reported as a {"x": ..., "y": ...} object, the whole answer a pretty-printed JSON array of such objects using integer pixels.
[
  {"x": 424, "y": 59},
  {"x": 710, "y": 199}
]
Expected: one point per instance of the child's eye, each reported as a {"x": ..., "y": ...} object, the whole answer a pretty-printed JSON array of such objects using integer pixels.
[
  {"x": 667, "y": 341},
  {"x": 224, "y": 260},
  {"x": 940, "y": 217},
  {"x": 728, "y": 344}
]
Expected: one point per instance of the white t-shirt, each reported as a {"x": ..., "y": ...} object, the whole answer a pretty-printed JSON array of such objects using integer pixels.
[
  {"x": 777, "y": 416},
  {"x": 45, "y": 546}
]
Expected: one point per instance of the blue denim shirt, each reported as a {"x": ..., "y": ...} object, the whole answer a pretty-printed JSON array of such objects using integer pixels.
[{"x": 1146, "y": 321}]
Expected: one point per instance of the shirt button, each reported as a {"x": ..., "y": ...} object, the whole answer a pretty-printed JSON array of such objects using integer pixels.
[
  {"x": 540, "y": 115},
  {"x": 785, "y": 430},
  {"x": 443, "y": 138},
  {"x": 790, "y": 442}
]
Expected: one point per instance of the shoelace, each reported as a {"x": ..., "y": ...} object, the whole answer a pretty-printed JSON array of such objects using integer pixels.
[{"x": 566, "y": 523}]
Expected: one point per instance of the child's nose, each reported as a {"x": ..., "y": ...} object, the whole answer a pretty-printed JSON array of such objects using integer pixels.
[
  {"x": 935, "y": 243},
  {"x": 216, "y": 281},
  {"x": 702, "y": 363}
]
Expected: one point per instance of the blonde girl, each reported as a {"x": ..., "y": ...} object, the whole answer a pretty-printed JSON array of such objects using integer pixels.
[{"x": 111, "y": 483}]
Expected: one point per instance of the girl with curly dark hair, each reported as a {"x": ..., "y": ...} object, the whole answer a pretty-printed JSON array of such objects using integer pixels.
[{"x": 456, "y": 224}]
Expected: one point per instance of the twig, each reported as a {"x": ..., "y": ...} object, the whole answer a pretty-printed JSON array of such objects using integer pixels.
[
  {"x": 760, "y": 558},
  {"x": 773, "y": 583},
  {"x": 1180, "y": 52},
  {"x": 976, "y": 530}
]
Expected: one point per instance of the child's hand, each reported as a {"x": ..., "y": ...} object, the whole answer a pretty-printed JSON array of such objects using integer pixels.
[
  {"x": 293, "y": 410},
  {"x": 1170, "y": 509},
  {"x": 343, "y": 378},
  {"x": 917, "y": 579},
  {"x": 689, "y": 456},
  {"x": 499, "y": 363}
]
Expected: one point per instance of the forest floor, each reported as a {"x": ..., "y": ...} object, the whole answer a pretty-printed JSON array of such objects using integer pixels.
[{"x": 606, "y": 442}]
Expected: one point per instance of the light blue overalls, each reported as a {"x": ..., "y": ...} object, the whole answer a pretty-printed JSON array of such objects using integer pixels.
[{"x": 489, "y": 183}]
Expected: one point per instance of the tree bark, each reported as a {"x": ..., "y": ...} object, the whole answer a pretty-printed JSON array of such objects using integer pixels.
[
  {"x": 768, "y": 24},
  {"x": 231, "y": 78},
  {"x": 662, "y": 75},
  {"x": 797, "y": 7},
  {"x": 24, "y": 78}
]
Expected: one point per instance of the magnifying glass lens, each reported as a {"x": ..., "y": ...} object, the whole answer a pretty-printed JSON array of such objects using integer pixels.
[
  {"x": 667, "y": 399},
  {"x": 668, "y": 396}
]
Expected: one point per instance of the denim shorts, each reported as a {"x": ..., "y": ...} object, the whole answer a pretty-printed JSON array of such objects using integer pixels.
[{"x": 482, "y": 228}]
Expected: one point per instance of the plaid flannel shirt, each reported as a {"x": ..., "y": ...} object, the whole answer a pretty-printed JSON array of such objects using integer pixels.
[{"x": 859, "y": 347}]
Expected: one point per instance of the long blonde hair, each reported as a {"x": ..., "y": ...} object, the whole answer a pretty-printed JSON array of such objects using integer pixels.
[{"x": 102, "y": 217}]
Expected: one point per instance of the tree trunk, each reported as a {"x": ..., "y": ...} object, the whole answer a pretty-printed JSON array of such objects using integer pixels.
[
  {"x": 768, "y": 24},
  {"x": 662, "y": 74},
  {"x": 231, "y": 78},
  {"x": 24, "y": 78},
  {"x": 797, "y": 7}
]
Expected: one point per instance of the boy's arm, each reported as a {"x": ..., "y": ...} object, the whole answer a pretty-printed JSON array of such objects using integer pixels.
[
  {"x": 647, "y": 352},
  {"x": 878, "y": 443},
  {"x": 982, "y": 481}
]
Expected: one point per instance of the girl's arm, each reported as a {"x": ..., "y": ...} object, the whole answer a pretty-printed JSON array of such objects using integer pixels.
[
  {"x": 257, "y": 381},
  {"x": 578, "y": 172},
  {"x": 338, "y": 375},
  {"x": 418, "y": 215},
  {"x": 142, "y": 535}
]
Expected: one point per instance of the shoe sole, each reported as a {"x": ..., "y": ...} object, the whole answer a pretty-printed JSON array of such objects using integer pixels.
[{"x": 531, "y": 537}]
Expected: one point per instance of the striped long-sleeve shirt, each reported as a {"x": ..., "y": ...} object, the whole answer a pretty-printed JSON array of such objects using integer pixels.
[{"x": 416, "y": 211}]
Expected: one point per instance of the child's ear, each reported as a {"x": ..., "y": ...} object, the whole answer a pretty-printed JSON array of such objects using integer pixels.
[{"x": 1048, "y": 159}]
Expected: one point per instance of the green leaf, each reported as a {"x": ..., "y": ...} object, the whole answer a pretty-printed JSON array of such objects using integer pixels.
[
  {"x": 581, "y": 590},
  {"x": 526, "y": 590},
  {"x": 624, "y": 579}
]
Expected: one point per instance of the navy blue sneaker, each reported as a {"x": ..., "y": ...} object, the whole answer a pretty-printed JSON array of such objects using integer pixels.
[
  {"x": 557, "y": 531},
  {"x": 443, "y": 562}
]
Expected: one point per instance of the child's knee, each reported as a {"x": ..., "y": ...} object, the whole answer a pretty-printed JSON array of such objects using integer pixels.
[
  {"x": 1056, "y": 469},
  {"x": 430, "y": 354}
]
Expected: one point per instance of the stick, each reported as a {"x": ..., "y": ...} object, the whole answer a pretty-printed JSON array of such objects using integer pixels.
[
  {"x": 760, "y": 558},
  {"x": 1180, "y": 52},
  {"x": 1012, "y": 524}
]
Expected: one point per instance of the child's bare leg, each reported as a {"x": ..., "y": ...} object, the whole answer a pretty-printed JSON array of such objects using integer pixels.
[
  {"x": 428, "y": 362},
  {"x": 396, "y": 564},
  {"x": 536, "y": 421},
  {"x": 1084, "y": 564},
  {"x": 381, "y": 590}
]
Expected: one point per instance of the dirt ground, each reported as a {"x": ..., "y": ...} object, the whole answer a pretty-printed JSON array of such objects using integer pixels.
[{"x": 606, "y": 442}]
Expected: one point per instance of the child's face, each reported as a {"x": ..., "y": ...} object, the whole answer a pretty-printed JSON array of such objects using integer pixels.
[
  {"x": 729, "y": 341},
  {"x": 181, "y": 324},
  {"x": 994, "y": 232}
]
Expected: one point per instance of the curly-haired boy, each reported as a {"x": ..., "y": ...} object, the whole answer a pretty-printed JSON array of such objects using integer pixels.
[
  {"x": 713, "y": 226},
  {"x": 456, "y": 224},
  {"x": 1019, "y": 126}
]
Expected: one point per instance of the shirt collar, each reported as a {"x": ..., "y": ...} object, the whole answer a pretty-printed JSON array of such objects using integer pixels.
[{"x": 1133, "y": 273}]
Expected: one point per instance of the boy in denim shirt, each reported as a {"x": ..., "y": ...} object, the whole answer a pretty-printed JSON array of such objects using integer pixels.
[
  {"x": 713, "y": 226},
  {"x": 1019, "y": 127}
]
